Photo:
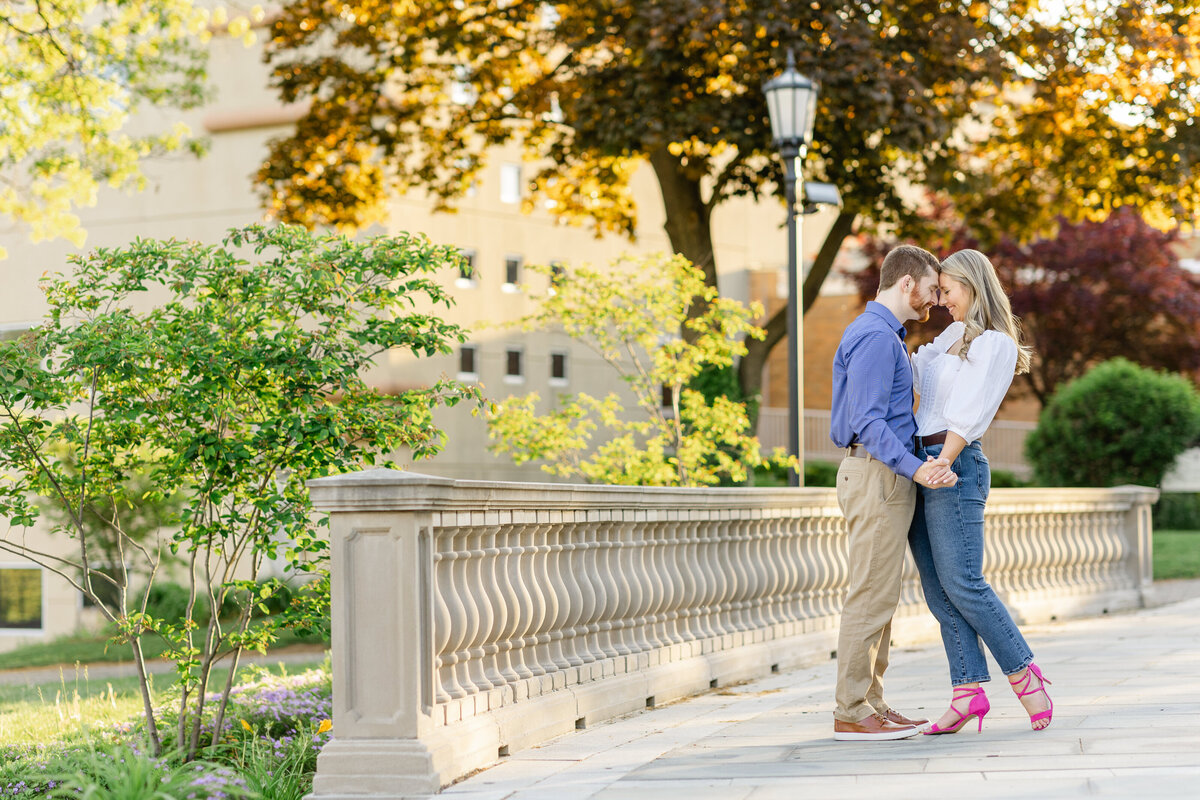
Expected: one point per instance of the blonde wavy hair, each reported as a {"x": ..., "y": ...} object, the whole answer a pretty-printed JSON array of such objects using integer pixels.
[{"x": 990, "y": 309}]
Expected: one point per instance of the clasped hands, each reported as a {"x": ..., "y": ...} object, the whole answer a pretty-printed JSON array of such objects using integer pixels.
[{"x": 935, "y": 473}]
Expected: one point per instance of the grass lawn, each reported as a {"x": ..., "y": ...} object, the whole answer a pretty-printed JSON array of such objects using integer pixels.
[
  {"x": 1176, "y": 554},
  {"x": 93, "y": 648},
  {"x": 50, "y": 712}
]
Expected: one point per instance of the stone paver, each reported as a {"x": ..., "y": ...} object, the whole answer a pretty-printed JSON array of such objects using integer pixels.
[{"x": 1126, "y": 725}]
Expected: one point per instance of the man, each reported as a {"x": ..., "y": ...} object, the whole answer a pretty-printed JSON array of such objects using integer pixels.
[{"x": 872, "y": 417}]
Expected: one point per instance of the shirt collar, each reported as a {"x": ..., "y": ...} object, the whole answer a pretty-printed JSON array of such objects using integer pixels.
[{"x": 884, "y": 313}]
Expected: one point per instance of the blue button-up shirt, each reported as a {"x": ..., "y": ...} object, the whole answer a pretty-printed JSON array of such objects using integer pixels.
[{"x": 873, "y": 390}]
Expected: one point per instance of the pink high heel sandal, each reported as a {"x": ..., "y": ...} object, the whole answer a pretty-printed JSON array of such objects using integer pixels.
[
  {"x": 978, "y": 708},
  {"x": 1023, "y": 689}
]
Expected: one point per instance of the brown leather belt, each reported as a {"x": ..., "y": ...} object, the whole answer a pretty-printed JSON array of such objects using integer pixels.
[{"x": 933, "y": 438}]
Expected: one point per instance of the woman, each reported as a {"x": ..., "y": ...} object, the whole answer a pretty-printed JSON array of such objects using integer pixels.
[{"x": 962, "y": 377}]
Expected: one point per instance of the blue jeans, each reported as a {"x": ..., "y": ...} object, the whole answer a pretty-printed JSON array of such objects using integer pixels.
[{"x": 946, "y": 538}]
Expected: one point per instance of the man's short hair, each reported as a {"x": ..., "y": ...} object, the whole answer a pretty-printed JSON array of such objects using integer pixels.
[{"x": 906, "y": 259}]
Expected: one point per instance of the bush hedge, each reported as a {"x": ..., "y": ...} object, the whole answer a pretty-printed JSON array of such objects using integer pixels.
[
  {"x": 1119, "y": 423},
  {"x": 1177, "y": 511}
]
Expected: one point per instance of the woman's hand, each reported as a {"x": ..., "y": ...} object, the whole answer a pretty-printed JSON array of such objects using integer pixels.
[{"x": 935, "y": 473}]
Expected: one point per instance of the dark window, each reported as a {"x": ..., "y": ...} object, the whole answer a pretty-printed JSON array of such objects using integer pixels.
[
  {"x": 558, "y": 366},
  {"x": 466, "y": 359},
  {"x": 20, "y": 597},
  {"x": 466, "y": 270},
  {"x": 512, "y": 270},
  {"x": 513, "y": 366},
  {"x": 668, "y": 397}
]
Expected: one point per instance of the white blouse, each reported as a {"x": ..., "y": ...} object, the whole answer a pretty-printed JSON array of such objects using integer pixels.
[{"x": 962, "y": 395}]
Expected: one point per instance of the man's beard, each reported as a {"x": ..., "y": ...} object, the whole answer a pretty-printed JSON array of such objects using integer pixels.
[{"x": 919, "y": 306}]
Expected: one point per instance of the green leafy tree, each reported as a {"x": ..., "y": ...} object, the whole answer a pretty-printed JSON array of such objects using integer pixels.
[
  {"x": 595, "y": 88},
  {"x": 76, "y": 74},
  {"x": 633, "y": 315},
  {"x": 228, "y": 382},
  {"x": 1120, "y": 423},
  {"x": 108, "y": 522},
  {"x": 1107, "y": 118}
]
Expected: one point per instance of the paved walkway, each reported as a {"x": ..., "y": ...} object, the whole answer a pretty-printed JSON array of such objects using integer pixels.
[{"x": 1126, "y": 724}]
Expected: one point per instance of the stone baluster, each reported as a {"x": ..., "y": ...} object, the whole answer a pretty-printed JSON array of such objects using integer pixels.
[
  {"x": 446, "y": 687},
  {"x": 529, "y": 610},
  {"x": 545, "y": 599},
  {"x": 641, "y": 537},
  {"x": 580, "y": 600},
  {"x": 558, "y": 582},
  {"x": 479, "y": 590},
  {"x": 714, "y": 584},
  {"x": 594, "y": 586},
  {"x": 660, "y": 578},
  {"x": 461, "y": 619},
  {"x": 728, "y": 558},
  {"x": 628, "y": 593},
  {"x": 608, "y": 556},
  {"x": 508, "y": 597}
]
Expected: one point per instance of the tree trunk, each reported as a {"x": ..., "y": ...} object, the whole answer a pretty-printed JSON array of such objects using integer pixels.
[
  {"x": 139, "y": 661},
  {"x": 688, "y": 218},
  {"x": 750, "y": 368}
]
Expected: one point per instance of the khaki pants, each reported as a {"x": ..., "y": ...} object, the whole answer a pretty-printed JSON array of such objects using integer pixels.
[{"x": 878, "y": 505}]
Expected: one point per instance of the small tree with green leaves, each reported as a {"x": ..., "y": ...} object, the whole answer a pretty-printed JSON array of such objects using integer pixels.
[
  {"x": 228, "y": 383},
  {"x": 1119, "y": 423},
  {"x": 633, "y": 315}
]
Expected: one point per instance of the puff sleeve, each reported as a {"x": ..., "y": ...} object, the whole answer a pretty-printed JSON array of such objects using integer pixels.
[
  {"x": 927, "y": 352},
  {"x": 981, "y": 384}
]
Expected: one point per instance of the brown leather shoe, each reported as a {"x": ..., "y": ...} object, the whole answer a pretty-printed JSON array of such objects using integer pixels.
[
  {"x": 875, "y": 728},
  {"x": 898, "y": 718}
]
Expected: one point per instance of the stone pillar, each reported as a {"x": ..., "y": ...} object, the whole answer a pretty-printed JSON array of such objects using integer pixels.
[{"x": 381, "y": 635}]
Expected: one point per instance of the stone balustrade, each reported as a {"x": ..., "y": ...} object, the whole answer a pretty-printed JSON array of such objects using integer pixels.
[{"x": 472, "y": 619}]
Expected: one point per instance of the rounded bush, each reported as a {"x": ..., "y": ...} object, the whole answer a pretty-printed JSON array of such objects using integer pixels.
[{"x": 1118, "y": 424}]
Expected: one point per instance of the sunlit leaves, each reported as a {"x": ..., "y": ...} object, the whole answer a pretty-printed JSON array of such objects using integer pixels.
[
  {"x": 1104, "y": 117},
  {"x": 225, "y": 375},
  {"x": 75, "y": 72},
  {"x": 631, "y": 315},
  {"x": 606, "y": 84}
]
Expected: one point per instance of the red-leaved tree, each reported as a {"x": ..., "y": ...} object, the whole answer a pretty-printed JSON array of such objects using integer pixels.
[{"x": 1095, "y": 291}]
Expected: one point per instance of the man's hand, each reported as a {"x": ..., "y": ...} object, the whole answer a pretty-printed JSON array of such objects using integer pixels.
[{"x": 935, "y": 474}]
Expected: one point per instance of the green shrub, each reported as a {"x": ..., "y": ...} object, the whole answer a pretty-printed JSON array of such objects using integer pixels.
[
  {"x": 1178, "y": 511},
  {"x": 1120, "y": 423},
  {"x": 816, "y": 474},
  {"x": 1004, "y": 479},
  {"x": 167, "y": 601}
]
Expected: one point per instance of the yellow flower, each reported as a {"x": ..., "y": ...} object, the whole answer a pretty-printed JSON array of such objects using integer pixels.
[
  {"x": 324, "y": 726},
  {"x": 246, "y": 725}
]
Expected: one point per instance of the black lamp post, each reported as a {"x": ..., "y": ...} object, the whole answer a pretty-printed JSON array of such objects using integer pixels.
[{"x": 792, "y": 104}]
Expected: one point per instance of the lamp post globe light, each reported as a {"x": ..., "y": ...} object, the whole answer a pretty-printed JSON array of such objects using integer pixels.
[{"x": 792, "y": 105}]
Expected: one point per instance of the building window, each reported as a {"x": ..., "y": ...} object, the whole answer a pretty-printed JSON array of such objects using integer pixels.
[
  {"x": 510, "y": 183},
  {"x": 512, "y": 273},
  {"x": 558, "y": 271},
  {"x": 468, "y": 275},
  {"x": 514, "y": 365},
  {"x": 468, "y": 369},
  {"x": 558, "y": 368},
  {"x": 21, "y": 598},
  {"x": 668, "y": 397}
]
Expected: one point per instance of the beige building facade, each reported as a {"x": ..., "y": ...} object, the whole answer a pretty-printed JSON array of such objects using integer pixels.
[{"x": 200, "y": 199}]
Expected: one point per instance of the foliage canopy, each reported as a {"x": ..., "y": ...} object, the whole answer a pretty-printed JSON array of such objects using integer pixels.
[
  {"x": 1119, "y": 423},
  {"x": 228, "y": 383},
  {"x": 633, "y": 315},
  {"x": 76, "y": 73},
  {"x": 414, "y": 94}
]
